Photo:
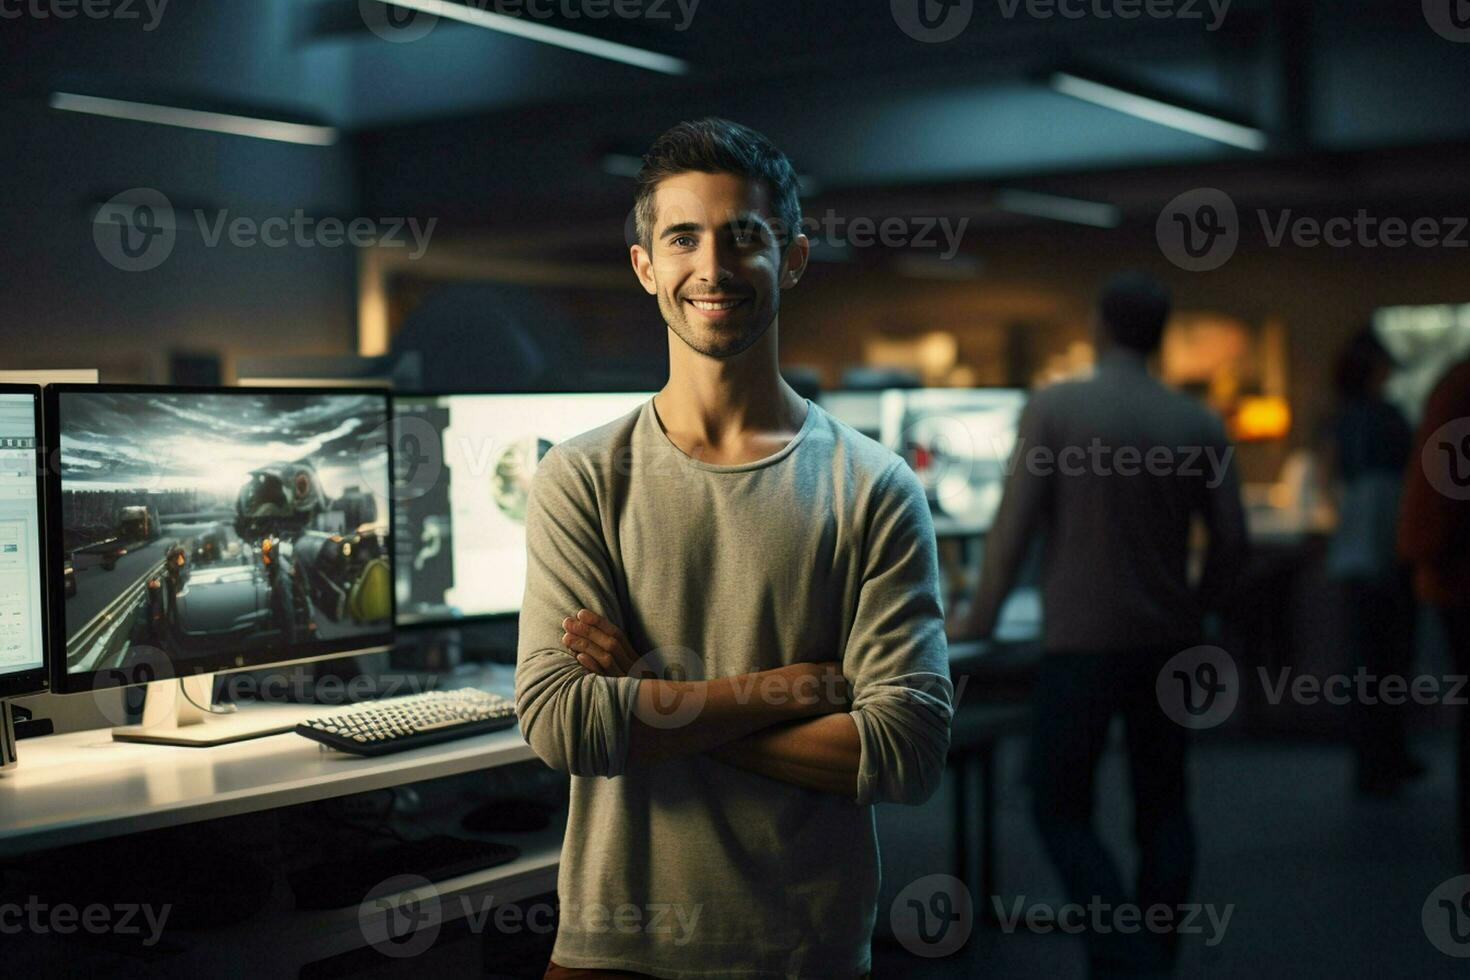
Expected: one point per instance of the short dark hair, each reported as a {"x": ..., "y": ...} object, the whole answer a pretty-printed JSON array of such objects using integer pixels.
[
  {"x": 1134, "y": 309},
  {"x": 718, "y": 146}
]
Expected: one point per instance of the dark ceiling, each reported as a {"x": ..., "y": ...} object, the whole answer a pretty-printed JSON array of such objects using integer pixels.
[{"x": 1331, "y": 75}]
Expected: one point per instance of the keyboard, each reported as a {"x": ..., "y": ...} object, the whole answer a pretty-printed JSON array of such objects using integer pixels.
[{"x": 412, "y": 721}]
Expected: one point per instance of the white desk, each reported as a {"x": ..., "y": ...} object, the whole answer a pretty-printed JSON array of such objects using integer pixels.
[
  {"x": 83, "y": 786},
  {"x": 80, "y": 787}
]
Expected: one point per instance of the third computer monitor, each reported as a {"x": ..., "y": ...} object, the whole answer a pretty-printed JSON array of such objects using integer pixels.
[
  {"x": 464, "y": 467},
  {"x": 22, "y": 602},
  {"x": 201, "y": 530},
  {"x": 959, "y": 441}
]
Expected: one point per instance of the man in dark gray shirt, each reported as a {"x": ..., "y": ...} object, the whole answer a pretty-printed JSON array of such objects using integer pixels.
[
  {"x": 1112, "y": 473},
  {"x": 700, "y": 572}
]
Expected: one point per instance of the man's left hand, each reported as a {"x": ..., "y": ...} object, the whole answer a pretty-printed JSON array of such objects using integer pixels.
[{"x": 598, "y": 644}]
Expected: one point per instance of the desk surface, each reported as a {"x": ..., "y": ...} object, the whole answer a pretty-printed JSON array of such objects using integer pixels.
[{"x": 83, "y": 786}]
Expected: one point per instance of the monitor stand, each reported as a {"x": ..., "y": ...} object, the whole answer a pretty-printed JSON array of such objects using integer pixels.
[
  {"x": 8, "y": 757},
  {"x": 175, "y": 714}
]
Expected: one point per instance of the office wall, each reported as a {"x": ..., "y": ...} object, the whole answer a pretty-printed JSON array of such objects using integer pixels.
[{"x": 63, "y": 305}]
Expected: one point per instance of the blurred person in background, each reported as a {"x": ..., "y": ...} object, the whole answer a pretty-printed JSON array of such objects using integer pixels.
[
  {"x": 1434, "y": 535},
  {"x": 1371, "y": 442},
  {"x": 1117, "y": 602}
]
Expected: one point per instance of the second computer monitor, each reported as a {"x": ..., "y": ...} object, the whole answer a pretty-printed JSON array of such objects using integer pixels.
[
  {"x": 22, "y": 605},
  {"x": 464, "y": 471},
  {"x": 959, "y": 441}
]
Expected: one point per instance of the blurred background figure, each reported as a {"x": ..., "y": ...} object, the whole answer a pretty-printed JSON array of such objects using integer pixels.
[
  {"x": 1370, "y": 444},
  {"x": 1434, "y": 534},
  {"x": 1119, "y": 604}
]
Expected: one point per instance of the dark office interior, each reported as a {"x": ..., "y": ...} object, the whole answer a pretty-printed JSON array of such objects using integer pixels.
[{"x": 298, "y": 295}]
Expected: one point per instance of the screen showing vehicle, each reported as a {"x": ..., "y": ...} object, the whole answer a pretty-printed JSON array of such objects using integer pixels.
[
  {"x": 221, "y": 529},
  {"x": 959, "y": 441},
  {"x": 464, "y": 467},
  {"x": 21, "y": 610}
]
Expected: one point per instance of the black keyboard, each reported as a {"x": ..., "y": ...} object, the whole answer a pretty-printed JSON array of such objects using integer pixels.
[{"x": 412, "y": 722}]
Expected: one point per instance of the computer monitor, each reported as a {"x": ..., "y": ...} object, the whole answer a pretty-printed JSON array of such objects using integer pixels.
[
  {"x": 22, "y": 545},
  {"x": 22, "y": 557},
  {"x": 959, "y": 441},
  {"x": 464, "y": 469},
  {"x": 863, "y": 410},
  {"x": 195, "y": 531}
]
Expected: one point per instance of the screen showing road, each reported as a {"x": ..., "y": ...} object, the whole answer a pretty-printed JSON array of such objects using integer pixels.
[
  {"x": 464, "y": 468},
  {"x": 20, "y": 538},
  {"x": 233, "y": 528}
]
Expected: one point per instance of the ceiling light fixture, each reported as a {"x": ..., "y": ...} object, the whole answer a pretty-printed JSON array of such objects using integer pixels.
[
  {"x": 1157, "y": 111},
  {"x": 546, "y": 34},
  {"x": 213, "y": 122},
  {"x": 1058, "y": 208}
]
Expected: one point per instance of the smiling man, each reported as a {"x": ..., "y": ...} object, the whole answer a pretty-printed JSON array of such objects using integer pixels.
[{"x": 731, "y": 634}]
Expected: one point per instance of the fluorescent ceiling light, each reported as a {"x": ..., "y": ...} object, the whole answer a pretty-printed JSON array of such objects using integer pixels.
[
  {"x": 1059, "y": 208},
  {"x": 214, "y": 122},
  {"x": 1163, "y": 113},
  {"x": 546, "y": 34}
]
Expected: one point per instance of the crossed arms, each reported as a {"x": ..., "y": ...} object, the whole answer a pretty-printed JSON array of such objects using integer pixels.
[{"x": 873, "y": 728}]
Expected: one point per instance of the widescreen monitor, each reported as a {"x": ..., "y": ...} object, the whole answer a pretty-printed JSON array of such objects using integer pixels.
[
  {"x": 22, "y": 544},
  {"x": 201, "y": 530},
  {"x": 959, "y": 441},
  {"x": 464, "y": 468}
]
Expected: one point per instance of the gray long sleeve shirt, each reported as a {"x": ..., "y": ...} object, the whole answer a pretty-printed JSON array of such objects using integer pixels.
[
  {"x": 1110, "y": 472},
  {"x": 823, "y": 551}
]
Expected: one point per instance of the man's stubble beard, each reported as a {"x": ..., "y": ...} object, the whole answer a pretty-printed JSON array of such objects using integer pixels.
[{"x": 722, "y": 347}]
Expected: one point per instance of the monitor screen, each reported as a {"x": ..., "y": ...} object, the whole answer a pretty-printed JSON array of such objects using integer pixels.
[
  {"x": 959, "y": 441},
  {"x": 465, "y": 464},
  {"x": 206, "y": 530},
  {"x": 22, "y": 615},
  {"x": 860, "y": 409}
]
